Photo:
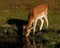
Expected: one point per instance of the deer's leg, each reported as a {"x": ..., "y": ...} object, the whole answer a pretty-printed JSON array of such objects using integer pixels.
[
  {"x": 34, "y": 26},
  {"x": 27, "y": 34},
  {"x": 46, "y": 19},
  {"x": 42, "y": 22}
]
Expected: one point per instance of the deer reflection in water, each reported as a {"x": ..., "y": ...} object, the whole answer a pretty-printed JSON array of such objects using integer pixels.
[{"x": 31, "y": 43}]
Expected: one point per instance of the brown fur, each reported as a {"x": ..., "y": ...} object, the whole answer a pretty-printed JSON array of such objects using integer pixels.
[{"x": 34, "y": 15}]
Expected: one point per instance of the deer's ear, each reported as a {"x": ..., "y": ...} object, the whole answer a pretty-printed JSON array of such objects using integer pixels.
[{"x": 24, "y": 27}]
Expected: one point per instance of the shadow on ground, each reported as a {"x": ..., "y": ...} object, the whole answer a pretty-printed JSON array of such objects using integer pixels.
[
  {"x": 57, "y": 45},
  {"x": 23, "y": 42},
  {"x": 19, "y": 43},
  {"x": 19, "y": 24}
]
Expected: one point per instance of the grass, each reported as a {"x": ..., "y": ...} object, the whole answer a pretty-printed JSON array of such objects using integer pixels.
[
  {"x": 19, "y": 9},
  {"x": 8, "y": 33}
]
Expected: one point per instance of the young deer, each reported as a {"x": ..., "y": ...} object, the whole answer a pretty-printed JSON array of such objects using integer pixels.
[{"x": 37, "y": 13}]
